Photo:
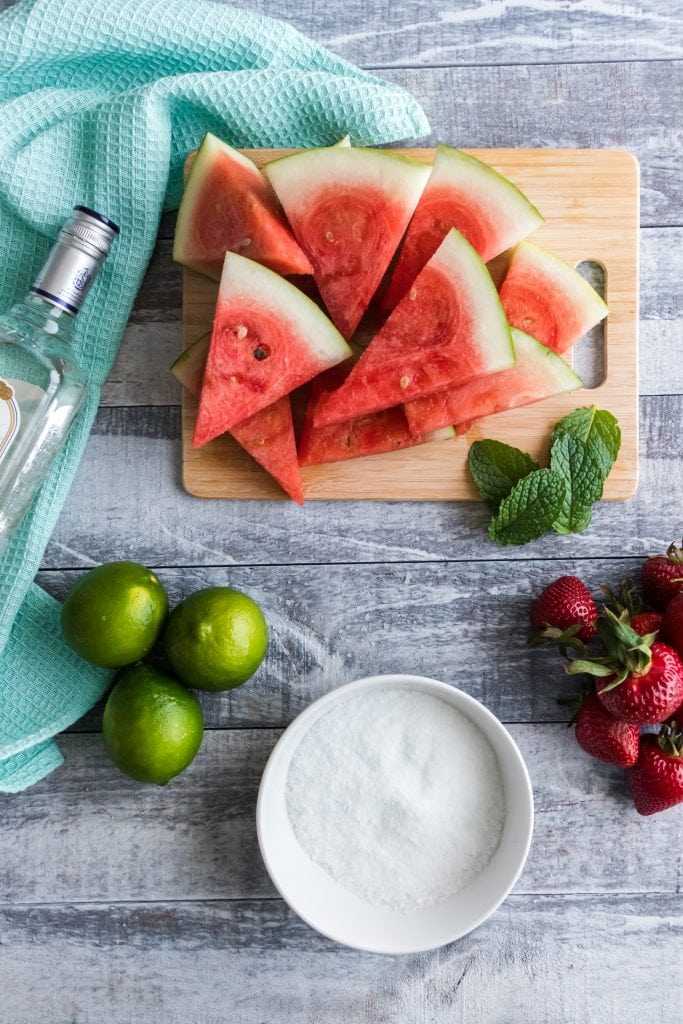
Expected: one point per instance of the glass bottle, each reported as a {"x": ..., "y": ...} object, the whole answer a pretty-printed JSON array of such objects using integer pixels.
[{"x": 42, "y": 387}]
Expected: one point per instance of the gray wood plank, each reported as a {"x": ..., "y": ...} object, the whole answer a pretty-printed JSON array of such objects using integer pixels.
[
  {"x": 127, "y": 502},
  {"x": 538, "y": 960},
  {"x": 465, "y": 623},
  {"x": 90, "y": 833},
  {"x": 479, "y": 32},
  {"x": 153, "y": 338}
]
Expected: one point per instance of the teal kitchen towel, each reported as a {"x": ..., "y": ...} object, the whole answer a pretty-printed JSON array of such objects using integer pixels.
[{"x": 100, "y": 101}]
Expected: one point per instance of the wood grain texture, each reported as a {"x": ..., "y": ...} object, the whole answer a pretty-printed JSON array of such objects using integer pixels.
[
  {"x": 465, "y": 623},
  {"x": 126, "y": 502},
  {"x": 539, "y": 960},
  {"x": 153, "y": 338},
  {"x": 483, "y": 31},
  {"x": 590, "y": 201},
  {"x": 196, "y": 838}
]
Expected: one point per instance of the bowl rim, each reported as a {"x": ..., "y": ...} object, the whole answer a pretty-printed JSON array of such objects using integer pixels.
[{"x": 425, "y": 684}]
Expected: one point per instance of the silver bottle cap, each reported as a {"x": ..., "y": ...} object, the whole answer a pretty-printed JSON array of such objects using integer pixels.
[{"x": 81, "y": 248}]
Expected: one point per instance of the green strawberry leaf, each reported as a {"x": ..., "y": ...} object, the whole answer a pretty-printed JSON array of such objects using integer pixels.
[
  {"x": 574, "y": 461},
  {"x": 530, "y": 509},
  {"x": 598, "y": 429},
  {"x": 496, "y": 468}
]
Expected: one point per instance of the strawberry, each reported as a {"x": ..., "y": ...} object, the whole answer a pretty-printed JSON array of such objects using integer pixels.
[
  {"x": 673, "y": 624},
  {"x": 646, "y": 622},
  {"x": 639, "y": 680},
  {"x": 656, "y": 781},
  {"x": 565, "y": 603},
  {"x": 662, "y": 577},
  {"x": 604, "y": 737},
  {"x": 628, "y": 605}
]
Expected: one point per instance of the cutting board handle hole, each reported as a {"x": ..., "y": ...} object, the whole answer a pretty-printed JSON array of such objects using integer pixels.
[{"x": 589, "y": 352}]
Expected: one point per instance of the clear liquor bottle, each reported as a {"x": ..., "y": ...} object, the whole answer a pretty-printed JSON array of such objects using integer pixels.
[{"x": 42, "y": 386}]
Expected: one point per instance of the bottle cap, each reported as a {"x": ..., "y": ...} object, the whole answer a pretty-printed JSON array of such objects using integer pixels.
[{"x": 81, "y": 248}]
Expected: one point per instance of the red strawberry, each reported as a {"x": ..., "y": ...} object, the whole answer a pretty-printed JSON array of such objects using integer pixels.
[
  {"x": 656, "y": 782},
  {"x": 673, "y": 624},
  {"x": 566, "y": 602},
  {"x": 662, "y": 576},
  {"x": 604, "y": 737},
  {"x": 646, "y": 622},
  {"x": 639, "y": 680}
]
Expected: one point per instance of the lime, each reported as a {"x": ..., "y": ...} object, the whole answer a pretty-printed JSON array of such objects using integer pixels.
[
  {"x": 113, "y": 615},
  {"x": 153, "y": 725},
  {"x": 216, "y": 638}
]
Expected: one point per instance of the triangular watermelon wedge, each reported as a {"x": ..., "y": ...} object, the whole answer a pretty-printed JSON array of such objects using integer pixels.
[
  {"x": 376, "y": 434},
  {"x": 466, "y": 194},
  {"x": 268, "y": 436},
  {"x": 349, "y": 209},
  {"x": 449, "y": 328},
  {"x": 545, "y": 297},
  {"x": 538, "y": 373},
  {"x": 229, "y": 206},
  {"x": 267, "y": 340}
]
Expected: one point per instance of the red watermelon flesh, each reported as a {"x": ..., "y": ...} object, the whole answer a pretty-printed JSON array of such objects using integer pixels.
[
  {"x": 545, "y": 297},
  {"x": 449, "y": 328},
  {"x": 268, "y": 338},
  {"x": 466, "y": 194},
  {"x": 349, "y": 209},
  {"x": 268, "y": 436},
  {"x": 380, "y": 432},
  {"x": 228, "y": 205},
  {"x": 538, "y": 373}
]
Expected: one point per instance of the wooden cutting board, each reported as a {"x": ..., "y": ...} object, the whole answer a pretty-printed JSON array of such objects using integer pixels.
[{"x": 590, "y": 200}]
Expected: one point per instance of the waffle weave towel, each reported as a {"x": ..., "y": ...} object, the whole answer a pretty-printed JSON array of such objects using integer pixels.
[{"x": 99, "y": 104}]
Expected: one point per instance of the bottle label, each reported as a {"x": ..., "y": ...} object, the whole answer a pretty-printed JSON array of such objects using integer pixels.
[
  {"x": 10, "y": 416},
  {"x": 19, "y": 402}
]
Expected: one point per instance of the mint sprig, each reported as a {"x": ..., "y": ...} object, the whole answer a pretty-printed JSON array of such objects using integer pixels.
[
  {"x": 529, "y": 501},
  {"x": 496, "y": 468},
  {"x": 530, "y": 509},
  {"x": 583, "y": 478}
]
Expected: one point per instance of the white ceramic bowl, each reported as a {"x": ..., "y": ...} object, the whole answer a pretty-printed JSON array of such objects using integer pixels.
[{"x": 336, "y": 912}]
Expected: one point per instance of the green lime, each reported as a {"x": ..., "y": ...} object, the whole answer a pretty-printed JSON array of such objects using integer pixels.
[
  {"x": 153, "y": 725},
  {"x": 216, "y": 638},
  {"x": 113, "y": 615}
]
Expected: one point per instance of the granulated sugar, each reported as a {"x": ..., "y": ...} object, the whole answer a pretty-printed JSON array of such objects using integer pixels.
[{"x": 398, "y": 796}]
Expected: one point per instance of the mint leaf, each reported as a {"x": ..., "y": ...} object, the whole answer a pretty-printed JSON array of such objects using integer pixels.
[
  {"x": 530, "y": 509},
  {"x": 496, "y": 467},
  {"x": 598, "y": 429},
  {"x": 583, "y": 477}
]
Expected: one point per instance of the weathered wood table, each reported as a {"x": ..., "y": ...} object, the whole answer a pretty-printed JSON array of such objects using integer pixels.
[{"x": 126, "y": 903}]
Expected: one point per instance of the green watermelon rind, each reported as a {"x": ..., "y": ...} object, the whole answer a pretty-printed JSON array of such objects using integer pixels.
[
  {"x": 500, "y": 191},
  {"x": 188, "y": 368},
  {"x": 574, "y": 288},
  {"x": 209, "y": 149},
  {"x": 280, "y": 296},
  {"x": 294, "y": 176},
  {"x": 495, "y": 337},
  {"x": 558, "y": 369}
]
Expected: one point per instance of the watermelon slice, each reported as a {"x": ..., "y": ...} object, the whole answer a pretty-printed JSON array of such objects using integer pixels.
[
  {"x": 449, "y": 328},
  {"x": 267, "y": 339},
  {"x": 349, "y": 209},
  {"x": 268, "y": 436},
  {"x": 545, "y": 297},
  {"x": 538, "y": 373},
  {"x": 466, "y": 194},
  {"x": 229, "y": 206},
  {"x": 343, "y": 143},
  {"x": 380, "y": 432}
]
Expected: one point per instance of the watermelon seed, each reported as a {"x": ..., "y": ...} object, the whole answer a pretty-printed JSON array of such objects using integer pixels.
[
  {"x": 329, "y": 236},
  {"x": 245, "y": 243},
  {"x": 262, "y": 352},
  {"x": 412, "y": 294},
  {"x": 404, "y": 382},
  {"x": 241, "y": 332}
]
